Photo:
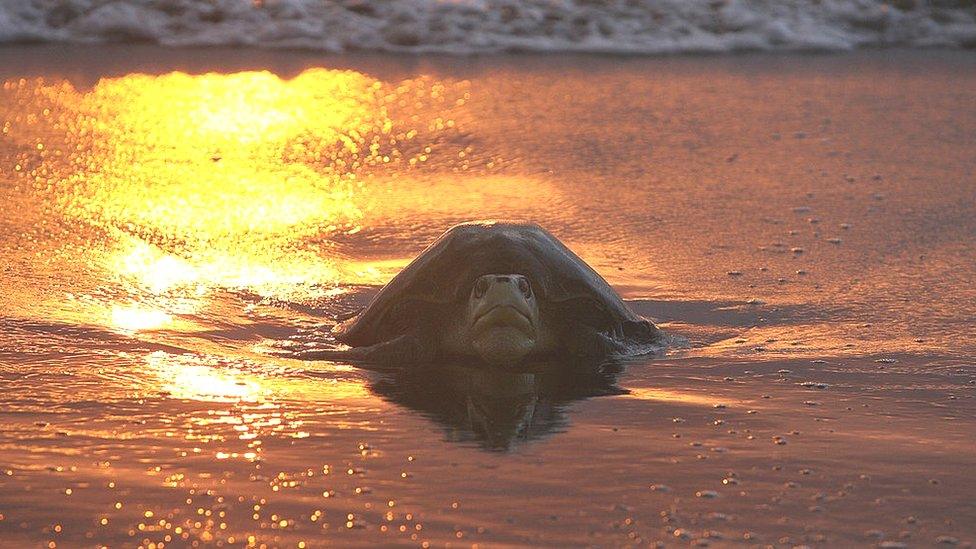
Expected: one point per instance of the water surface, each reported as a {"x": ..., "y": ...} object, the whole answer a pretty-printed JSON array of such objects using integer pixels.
[{"x": 173, "y": 223}]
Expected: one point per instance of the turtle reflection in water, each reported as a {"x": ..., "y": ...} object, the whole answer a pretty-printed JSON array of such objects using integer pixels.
[
  {"x": 496, "y": 408},
  {"x": 501, "y": 294}
]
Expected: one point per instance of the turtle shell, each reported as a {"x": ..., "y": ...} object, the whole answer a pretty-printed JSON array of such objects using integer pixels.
[{"x": 442, "y": 275}]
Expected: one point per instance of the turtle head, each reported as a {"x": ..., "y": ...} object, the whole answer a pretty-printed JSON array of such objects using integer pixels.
[{"x": 502, "y": 318}]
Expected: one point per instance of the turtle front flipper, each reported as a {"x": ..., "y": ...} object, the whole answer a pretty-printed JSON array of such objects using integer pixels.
[
  {"x": 631, "y": 339},
  {"x": 585, "y": 342}
]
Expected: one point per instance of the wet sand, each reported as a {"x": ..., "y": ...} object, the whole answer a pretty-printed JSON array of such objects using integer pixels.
[{"x": 807, "y": 223}]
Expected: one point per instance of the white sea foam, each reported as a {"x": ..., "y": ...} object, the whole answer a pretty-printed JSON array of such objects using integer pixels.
[{"x": 475, "y": 26}]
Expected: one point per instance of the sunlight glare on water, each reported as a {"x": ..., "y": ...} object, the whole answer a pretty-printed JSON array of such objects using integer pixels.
[
  {"x": 133, "y": 318},
  {"x": 193, "y": 183},
  {"x": 202, "y": 378}
]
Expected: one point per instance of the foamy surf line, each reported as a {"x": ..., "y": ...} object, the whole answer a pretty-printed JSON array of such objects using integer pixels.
[{"x": 487, "y": 26}]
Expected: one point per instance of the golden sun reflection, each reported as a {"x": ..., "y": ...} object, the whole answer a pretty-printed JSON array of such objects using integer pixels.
[
  {"x": 193, "y": 378},
  {"x": 201, "y": 182},
  {"x": 213, "y": 180},
  {"x": 134, "y": 318},
  {"x": 251, "y": 400},
  {"x": 214, "y": 157},
  {"x": 668, "y": 395},
  {"x": 210, "y": 379}
]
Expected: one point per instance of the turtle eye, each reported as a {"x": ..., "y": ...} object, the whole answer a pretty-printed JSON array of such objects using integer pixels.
[
  {"x": 524, "y": 287},
  {"x": 480, "y": 287}
]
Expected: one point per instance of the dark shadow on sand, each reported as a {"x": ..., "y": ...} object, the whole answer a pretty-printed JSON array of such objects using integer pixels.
[{"x": 731, "y": 314}]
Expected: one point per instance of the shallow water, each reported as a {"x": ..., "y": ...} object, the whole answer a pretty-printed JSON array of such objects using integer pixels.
[{"x": 806, "y": 223}]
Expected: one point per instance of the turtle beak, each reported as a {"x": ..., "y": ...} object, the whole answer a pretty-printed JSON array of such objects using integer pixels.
[
  {"x": 503, "y": 300},
  {"x": 504, "y": 319}
]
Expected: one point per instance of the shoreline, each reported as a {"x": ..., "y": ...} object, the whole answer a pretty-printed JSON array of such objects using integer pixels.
[{"x": 86, "y": 63}]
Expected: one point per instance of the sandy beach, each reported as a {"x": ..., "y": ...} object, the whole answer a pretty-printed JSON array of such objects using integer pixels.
[{"x": 176, "y": 219}]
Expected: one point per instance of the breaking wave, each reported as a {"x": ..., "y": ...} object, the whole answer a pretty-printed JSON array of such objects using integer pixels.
[{"x": 484, "y": 26}]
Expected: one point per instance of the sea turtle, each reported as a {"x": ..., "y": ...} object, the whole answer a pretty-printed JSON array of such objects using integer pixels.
[{"x": 500, "y": 293}]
